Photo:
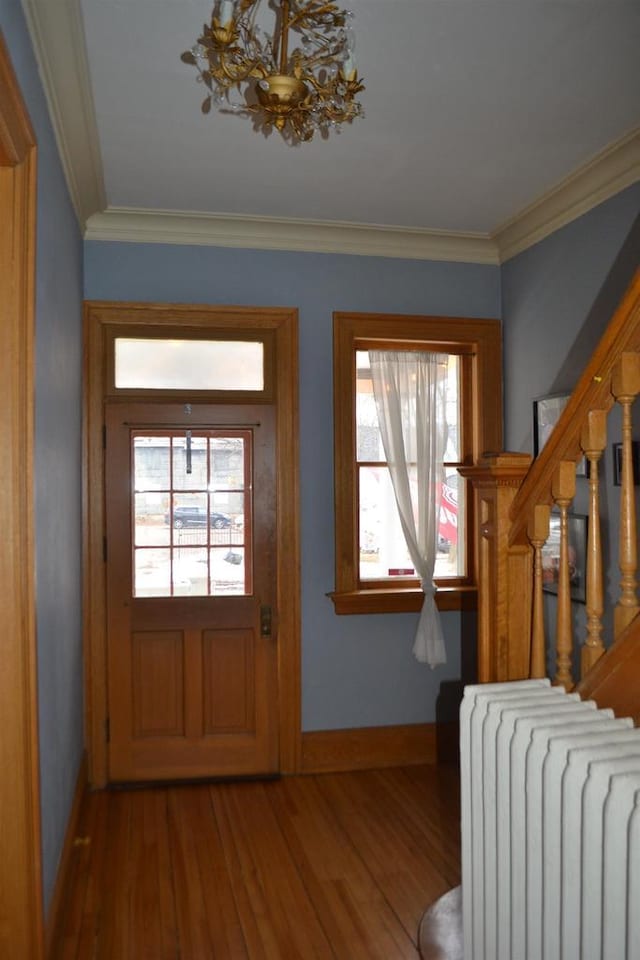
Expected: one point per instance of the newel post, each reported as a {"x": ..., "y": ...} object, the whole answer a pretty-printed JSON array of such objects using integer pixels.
[{"x": 504, "y": 571}]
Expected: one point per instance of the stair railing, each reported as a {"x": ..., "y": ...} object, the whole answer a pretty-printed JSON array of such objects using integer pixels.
[{"x": 514, "y": 498}]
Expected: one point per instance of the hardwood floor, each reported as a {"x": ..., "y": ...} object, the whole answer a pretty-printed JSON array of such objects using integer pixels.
[{"x": 337, "y": 866}]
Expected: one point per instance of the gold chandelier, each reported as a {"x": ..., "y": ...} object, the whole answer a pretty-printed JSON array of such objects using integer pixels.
[{"x": 249, "y": 72}]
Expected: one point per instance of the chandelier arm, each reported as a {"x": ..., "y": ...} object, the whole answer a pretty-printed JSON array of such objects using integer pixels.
[
  {"x": 308, "y": 61},
  {"x": 241, "y": 73},
  {"x": 305, "y": 13}
]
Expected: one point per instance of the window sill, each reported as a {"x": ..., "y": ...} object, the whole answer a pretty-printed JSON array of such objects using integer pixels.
[{"x": 408, "y": 600}]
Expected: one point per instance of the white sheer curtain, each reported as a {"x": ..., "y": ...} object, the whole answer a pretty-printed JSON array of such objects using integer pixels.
[{"x": 410, "y": 393}]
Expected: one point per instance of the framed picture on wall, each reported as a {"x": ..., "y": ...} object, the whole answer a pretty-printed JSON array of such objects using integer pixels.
[
  {"x": 546, "y": 413},
  {"x": 616, "y": 449},
  {"x": 577, "y": 530}
]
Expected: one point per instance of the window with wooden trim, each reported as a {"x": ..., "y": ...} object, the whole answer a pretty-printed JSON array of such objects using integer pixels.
[{"x": 373, "y": 571}]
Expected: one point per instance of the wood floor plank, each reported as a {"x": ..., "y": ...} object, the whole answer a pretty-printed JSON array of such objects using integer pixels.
[
  {"x": 153, "y": 933},
  {"x": 95, "y": 831},
  {"x": 334, "y": 867},
  {"x": 265, "y": 877},
  {"x": 355, "y": 915},
  {"x": 402, "y": 860},
  {"x": 202, "y": 886},
  {"x": 115, "y": 919},
  {"x": 189, "y": 890}
]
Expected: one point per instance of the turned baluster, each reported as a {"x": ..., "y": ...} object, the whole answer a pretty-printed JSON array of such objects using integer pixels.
[
  {"x": 538, "y": 532},
  {"x": 593, "y": 442},
  {"x": 625, "y": 387},
  {"x": 563, "y": 489}
]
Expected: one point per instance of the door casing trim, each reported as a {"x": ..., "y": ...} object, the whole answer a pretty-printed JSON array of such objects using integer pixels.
[
  {"x": 98, "y": 317},
  {"x": 21, "y": 871}
]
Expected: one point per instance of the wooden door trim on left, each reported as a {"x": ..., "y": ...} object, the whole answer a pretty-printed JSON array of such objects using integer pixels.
[
  {"x": 21, "y": 933},
  {"x": 101, "y": 316}
]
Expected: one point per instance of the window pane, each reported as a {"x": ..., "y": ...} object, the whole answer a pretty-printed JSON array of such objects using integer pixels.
[
  {"x": 189, "y": 463},
  {"x": 151, "y": 520},
  {"x": 368, "y": 439},
  {"x": 383, "y": 551},
  {"x": 154, "y": 364},
  {"x": 190, "y": 573},
  {"x": 201, "y": 517},
  {"x": 152, "y": 574},
  {"x": 227, "y": 571},
  {"x": 452, "y": 450},
  {"x": 450, "y": 558}
]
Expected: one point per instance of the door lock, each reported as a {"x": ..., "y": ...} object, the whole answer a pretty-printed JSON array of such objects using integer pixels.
[{"x": 265, "y": 621}]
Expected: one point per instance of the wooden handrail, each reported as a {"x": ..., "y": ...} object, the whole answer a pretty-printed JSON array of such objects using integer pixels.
[{"x": 593, "y": 392}]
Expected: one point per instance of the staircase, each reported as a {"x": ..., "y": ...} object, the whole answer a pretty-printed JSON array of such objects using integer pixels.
[{"x": 513, "y": 500}]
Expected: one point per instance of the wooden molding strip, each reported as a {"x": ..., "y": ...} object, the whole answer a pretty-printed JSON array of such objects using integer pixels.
[
  {"x": 362, "y": 748},
  {"x": 63, "y": 876},
  {"x": 21, "y": 924}
]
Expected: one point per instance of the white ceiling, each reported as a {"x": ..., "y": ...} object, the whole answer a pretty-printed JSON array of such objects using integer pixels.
[{"x": 488, "y": 122}]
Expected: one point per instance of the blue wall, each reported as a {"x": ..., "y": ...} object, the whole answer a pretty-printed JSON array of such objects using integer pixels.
[
  {"x": 547, "y": 295},
  {"x": 357, "y": 670},
  {"x": 57, "y": 462}
]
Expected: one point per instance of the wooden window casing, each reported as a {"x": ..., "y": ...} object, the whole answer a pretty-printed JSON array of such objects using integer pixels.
[{"x": 479, "y": 344}]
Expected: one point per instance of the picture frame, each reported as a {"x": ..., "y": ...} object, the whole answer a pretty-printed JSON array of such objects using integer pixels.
[
  {"x": 616, "y": 449},
  {"x": 546, "y": 413},
  {"x": 577, "y": 529}
]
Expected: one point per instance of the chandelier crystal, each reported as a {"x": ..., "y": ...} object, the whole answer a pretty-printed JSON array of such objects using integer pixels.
[{"x": 252, "y": 73}]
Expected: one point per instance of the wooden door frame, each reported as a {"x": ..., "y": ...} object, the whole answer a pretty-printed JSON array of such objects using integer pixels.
[
  {"x": 21, "y": 920},
  {"x": 100, "y": 316}
]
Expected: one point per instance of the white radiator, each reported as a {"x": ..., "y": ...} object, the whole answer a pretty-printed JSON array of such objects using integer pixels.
[{"x": 550, "y": 792}]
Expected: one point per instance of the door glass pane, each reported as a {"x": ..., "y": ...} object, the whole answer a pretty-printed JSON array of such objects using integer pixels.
[
  {"x": 228, "y": 482},
  {"x": 227, "y": 570},
  {"x": 152, "y": 572},
  {"x": 198, "y": 516},
  {"x": 190, "y": 573},
  {"x": 154, "y": 364},
  {"x": 189, "y": 460}
]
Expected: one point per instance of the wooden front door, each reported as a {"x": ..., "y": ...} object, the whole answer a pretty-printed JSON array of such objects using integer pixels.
[{"x": 190, "y": 548}]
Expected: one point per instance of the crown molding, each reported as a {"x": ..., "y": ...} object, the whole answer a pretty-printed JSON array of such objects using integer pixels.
[
  {"x": 610, "y": 171},
  {"x": 275, "y": 233},
  {"x": 57, "y": 35}
]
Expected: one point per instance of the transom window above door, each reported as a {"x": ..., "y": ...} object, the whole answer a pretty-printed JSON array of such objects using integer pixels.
[
  {"x": 191, "y": 364},
  {"x": 143, "y": 363}
]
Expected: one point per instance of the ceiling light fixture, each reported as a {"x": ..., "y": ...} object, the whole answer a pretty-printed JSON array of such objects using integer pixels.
[{"x": 249, "y": 72}]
